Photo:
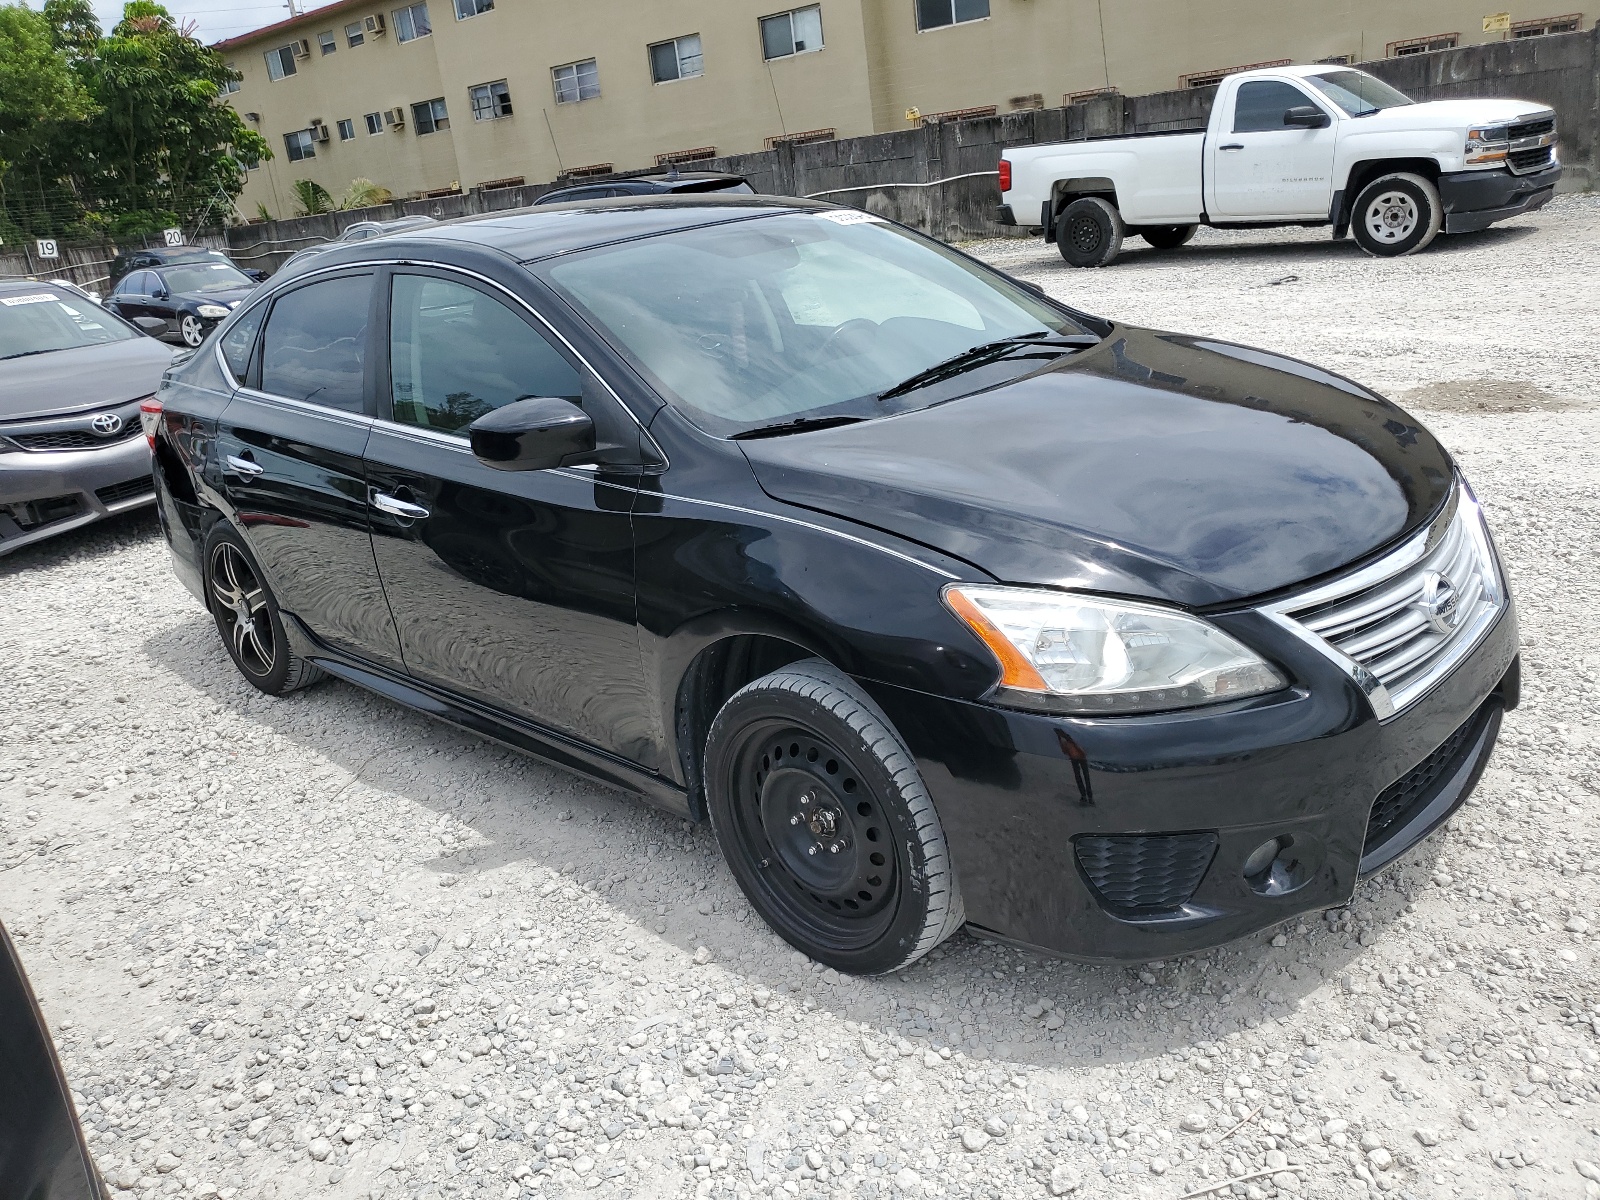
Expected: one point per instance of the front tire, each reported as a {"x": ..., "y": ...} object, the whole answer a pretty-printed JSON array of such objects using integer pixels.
[
  {"x": 1167, "y": 237},
  {"x": 1396, "y": 214},
  {"x": 1089, "y": 232},
  {"x": 192, "y": 330},
  {"x": 247, "y": 618},
  {"x": 825, "y": 822}
]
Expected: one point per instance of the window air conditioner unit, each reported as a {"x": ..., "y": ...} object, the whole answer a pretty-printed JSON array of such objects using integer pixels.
[
  {"x": 319, "y": 131},
  {"x": 302, "y": 49},
  {"x": 396, "y": 118},
  {"x": 373, "y": 24}
]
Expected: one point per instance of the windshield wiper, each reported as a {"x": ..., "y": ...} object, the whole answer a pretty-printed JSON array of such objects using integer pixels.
[
  {"x": 978, "y": 355},
  {"x": 799, "y": 425}
]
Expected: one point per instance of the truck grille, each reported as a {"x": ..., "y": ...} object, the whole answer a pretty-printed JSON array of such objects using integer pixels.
[
  {"x": 1148, "y": 873},
  {"x": 1537, "y": 127},
  {"x": 1401, "y": 624},
  {"x": 1525, "y": 162}
]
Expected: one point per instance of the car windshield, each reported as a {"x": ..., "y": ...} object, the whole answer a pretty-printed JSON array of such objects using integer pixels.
[
  {"x": 205, "y": 277},
  {"x": 750, "y": 323},
  {"x": 42, "y": 321},
  {"x": 1359, "y": 94}
]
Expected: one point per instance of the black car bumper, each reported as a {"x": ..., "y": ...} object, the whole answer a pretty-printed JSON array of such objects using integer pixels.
[
  {"x": 1475, "y": 200},
  {"x": 1125, "y": 839}
]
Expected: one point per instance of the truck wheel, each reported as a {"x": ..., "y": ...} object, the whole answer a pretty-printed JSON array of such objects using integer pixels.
[
  {"x": 1089, "y": 232},
  {"x": 1167, "y": 237},
  {"x": 1396, "y": 214}
]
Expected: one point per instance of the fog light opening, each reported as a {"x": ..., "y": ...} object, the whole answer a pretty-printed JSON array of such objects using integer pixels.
[{"x": 1276, "y": 868}]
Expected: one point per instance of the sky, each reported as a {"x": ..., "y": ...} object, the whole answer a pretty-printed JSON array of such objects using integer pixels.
[{"x": 214, "y": 19}]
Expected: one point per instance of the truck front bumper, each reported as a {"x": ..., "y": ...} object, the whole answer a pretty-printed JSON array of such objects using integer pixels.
[{"x": 1475, "y": 200}]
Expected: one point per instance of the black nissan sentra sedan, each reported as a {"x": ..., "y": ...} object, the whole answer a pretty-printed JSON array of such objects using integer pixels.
[{"x": 941, "y": 601}]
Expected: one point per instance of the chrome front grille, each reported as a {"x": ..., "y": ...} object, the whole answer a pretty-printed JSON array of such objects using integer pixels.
[{"x": 1399, "y": 625}]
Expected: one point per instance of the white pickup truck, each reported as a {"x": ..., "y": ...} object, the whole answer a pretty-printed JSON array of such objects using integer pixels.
[{"x": 1321, "y": 145}]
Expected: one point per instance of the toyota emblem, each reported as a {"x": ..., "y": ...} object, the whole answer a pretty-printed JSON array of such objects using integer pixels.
[
  {"x": 1438, "y": 603},
  {"x": 106, "y": 424}
]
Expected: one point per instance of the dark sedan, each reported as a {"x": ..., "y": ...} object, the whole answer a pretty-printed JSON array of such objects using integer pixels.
[
  {"x": 183, "y": 301},
  {"x": 939, "y": 600},
  {"x": 72, "y": 377}
]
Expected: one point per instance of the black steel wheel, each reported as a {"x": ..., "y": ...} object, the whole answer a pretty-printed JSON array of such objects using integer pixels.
[
  {"x": 825, "y": 823},
  {"x": 1089, "y": 232},
  {"x": 247, "y": 618}
]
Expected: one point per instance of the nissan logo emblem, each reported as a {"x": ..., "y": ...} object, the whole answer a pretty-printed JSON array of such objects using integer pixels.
[
  {"x": 1438, "y": 603},
  {"x": 106, "y": 424}
]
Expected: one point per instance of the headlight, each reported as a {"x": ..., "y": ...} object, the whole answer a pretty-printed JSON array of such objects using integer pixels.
[
  {"x": 1488, "y": 145},
  {"x": 212, "y": 312},
  {"x": 1070, "y": 653}
]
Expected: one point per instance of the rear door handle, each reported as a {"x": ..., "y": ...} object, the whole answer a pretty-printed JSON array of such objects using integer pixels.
[
  {"x": 242, "y": 467},
  {"x": 397, "y": 507},
  {"x": 1232, "y": 146}
]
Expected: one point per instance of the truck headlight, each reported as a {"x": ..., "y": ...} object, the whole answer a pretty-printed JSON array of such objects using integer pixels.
[
  {"x": 1069, "y": 653},
  {"x": 212, "y": 312},
  {"x": 1488, "y": 145}
]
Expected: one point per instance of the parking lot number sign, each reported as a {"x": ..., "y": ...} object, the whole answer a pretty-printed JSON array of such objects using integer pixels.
[
  {"x": 47, "y": 248},
  {"x": 173, "y": 237}
]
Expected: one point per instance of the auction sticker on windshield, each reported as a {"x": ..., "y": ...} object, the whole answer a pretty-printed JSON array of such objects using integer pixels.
[
  {"x": 36, "y": 298},
  {"x": 852, "y": 216}
]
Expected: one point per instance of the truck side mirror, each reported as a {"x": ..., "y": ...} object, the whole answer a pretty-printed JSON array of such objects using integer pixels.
[{"x": 1306, "y": 116}]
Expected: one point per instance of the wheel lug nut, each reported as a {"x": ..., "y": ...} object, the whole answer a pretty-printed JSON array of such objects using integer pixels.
[
  {"x": 811, "y": 849},
  {"x": 794, "y": 820}
]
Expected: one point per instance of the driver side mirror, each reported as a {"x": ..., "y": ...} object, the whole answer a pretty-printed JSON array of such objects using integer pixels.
[
  {"x": 534, "y": 435},
  {"x": 160, "y": 293},
  {"x": 1306, "y": 116}
]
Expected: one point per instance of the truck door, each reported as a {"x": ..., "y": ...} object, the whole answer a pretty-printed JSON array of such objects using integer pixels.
[{"x": 1262, "y": 169}]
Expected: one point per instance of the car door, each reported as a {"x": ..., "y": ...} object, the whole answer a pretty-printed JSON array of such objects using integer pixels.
[
  {"x": 513, "y": 588},
  {"x": 158, "y": 300},
  {"x": 128, "y": 298},
  {"x": 1263, "y": 169},
  {"x": 289, "y": 448}
]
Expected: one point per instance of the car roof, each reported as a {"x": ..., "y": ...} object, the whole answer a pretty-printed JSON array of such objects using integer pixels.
[
  {"x": 541, "y": 231},
  {"x": 12, "y": 287}
]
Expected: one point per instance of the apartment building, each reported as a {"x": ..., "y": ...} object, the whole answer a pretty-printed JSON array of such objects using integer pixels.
[{"x": 440, "y": 95}]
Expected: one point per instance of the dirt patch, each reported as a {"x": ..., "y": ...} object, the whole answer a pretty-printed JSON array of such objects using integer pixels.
[{"x": 1486, "y": 395}]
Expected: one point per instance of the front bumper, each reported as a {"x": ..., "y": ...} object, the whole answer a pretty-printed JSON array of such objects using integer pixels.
[
  {"x": 1475, "y": 200},
  {"x": 48, "y": 492},
  {"x": 1018, "y": 793}
]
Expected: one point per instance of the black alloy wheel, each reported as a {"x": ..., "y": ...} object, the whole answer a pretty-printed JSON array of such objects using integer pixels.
[
  {"x": 823, "y": 819},
  {"x": 248, "y": 620},
  {"x": 1089, "y": 232}
]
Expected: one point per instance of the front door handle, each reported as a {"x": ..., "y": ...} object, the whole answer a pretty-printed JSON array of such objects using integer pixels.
[
  {"x": 242, "y": 467},
  {"x": 397, "y": 507},
  {"x": 1232, "y": 146}
]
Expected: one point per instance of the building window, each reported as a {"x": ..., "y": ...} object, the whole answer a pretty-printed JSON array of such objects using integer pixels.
[
  {"x": 1567, "y": 24},
  {"x": 354, "y": 35},
  {"x": 471, "y": 8},
  {"x": 298, "y": 145},
  {"x": 411, "y": 23},
  {"x": 280, "y": 62},
  {"x": 230, "y": 85},
  {"x": 1435, "y": 41},
  {"x": 678, "y": 59},
  {"x": 430, "y": 116},
  {"x": 934, "y": 14},
  {"x": 490, "y": 101},
  {"x": 374, "y": 123},
  {"x": 576, "y": 81},
  {"x": 796, "y": 32},
  {"x": 347, "y": 129},
  {"x": 327, "y": 41},
  {"x": 1202, "y": 79}
]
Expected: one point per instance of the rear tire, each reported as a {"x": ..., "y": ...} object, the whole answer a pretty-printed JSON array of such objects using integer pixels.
[
  {"x": 1396, "y": 214},
  {"x": 1167, "y": 237},
  {"x": 1089, "y": 232},
  {"x": 247, "y": 618},
  {"x": 825, "y": 822}
]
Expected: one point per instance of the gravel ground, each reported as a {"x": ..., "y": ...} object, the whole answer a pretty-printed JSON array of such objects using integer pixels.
[{"x": 324, "y": 947}]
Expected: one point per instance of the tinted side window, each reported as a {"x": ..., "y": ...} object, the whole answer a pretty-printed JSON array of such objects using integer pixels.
[
  {"x": 316, "y": 343},
  {"x": 1262, "y": 103},
  {"x": 455, "y": 354},
  {"x": 241, "y": 339},
  {"x": 133, "y": 285}
]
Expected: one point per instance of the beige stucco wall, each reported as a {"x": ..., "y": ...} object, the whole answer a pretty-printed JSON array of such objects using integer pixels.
[{"x": 875, "y": 65}]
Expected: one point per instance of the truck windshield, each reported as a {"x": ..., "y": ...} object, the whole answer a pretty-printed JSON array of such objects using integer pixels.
[{"x": 1359, "y": 94}]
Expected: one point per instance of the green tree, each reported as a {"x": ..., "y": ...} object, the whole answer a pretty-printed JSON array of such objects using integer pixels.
[
  {"x": 74, "y": 28},
  {"x": 312, "y": 198},
  {"x": 40, "y": 97}
]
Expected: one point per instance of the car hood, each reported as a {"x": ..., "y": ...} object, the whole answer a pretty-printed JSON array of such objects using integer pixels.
[
  {"x": 1154, "y": 465},
  {"x": 229, "y": 296},
  {"x": 69, "y": 381},
  {"x": 1454, "y": 114}
]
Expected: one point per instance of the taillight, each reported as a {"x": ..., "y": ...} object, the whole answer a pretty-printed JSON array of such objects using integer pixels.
[
  {"x": 1005, "y": 174},
  {"x": 150, "y": 418}
]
